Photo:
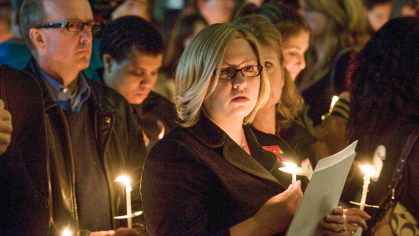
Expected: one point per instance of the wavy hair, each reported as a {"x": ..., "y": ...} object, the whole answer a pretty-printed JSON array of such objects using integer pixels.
[
  {"x": 195, "y": 79},
  {"x": 347, "y": 28},
  {"x": 386, "y": 81},
  {"x": 291, "y": 102}
]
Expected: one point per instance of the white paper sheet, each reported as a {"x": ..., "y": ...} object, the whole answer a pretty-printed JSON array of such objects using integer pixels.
[{"x": 322, "y": 193}]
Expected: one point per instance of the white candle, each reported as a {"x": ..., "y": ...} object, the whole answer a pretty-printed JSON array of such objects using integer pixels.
[
  {"x": 367, "y": 171},
  {"x": 125, "y": 180}
]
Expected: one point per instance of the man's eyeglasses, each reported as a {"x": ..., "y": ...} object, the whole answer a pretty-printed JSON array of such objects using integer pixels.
[
  {"x": 247, "y": 71},
  {"x": 73, "y": 26}
]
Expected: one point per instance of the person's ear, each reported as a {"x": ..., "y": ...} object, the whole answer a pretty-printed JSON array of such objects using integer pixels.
[
  {"x": 107, "y": 61},
  {"x": 37, "y": 38}
]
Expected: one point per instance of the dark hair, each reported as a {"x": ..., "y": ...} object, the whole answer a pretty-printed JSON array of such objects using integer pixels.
[
  {"x": 285, "y": 19},
  {"x": 369, "y": 4},
  {"x": 184, "y": 27},
  {"x": 386, "y": 80},
  {"x": 120, "y": 35},
  {"x": 32, "y": 14}
]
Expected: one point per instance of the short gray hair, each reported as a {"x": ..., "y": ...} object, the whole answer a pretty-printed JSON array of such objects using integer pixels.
[{"x": 32, "y": 14}]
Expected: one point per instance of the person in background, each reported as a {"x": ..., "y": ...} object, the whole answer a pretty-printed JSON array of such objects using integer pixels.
[
  {"x": 378, "y": 12},
  {"x": 336, "y": 25},
  {"x": 384, "y": 113},
  {"x": 211, "y": 175},
  {"x": 93, "y": 135},
  {"x": 295, "y": 32},
  {"x": 24, "y": 206},
  {"x": 141, "y": 8},
  {"x": 405, "y": 8},
  {"x": 213, "y": 11},
  {"x": 185, "y": 28},
  {"x": 132, "y": 53},
  {"x": 14, "y": 52}
]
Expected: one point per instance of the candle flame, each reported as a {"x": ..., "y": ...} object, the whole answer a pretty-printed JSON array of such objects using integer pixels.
[
  {"x": 366, "y": 169},
  {"x": 67, "y": 232},
  {"x": 289, "y": 164},
  {"x": 332, "y": 104},
  {"x": 123, "y": 179}
]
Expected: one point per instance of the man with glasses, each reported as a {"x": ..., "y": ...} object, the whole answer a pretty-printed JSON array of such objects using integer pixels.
[{"x": 93, "y": 136}]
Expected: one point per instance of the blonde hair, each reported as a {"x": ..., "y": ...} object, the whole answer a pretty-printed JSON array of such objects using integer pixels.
[
  {"x": 266, "y": 33},
  {"x": 195, "y": 79},
  {"x": 347, "y": 28}
]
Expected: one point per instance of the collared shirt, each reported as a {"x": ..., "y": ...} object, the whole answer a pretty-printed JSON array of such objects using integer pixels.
[{"x": 62, "y": 94}]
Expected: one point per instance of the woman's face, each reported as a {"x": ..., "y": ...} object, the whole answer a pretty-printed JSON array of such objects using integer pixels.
[
  {"x": 293, "y": 49},
  {"x": 316, "y": 20},
  {"x": 275, "y": 73},
  {"x": 235, "y": 98}
]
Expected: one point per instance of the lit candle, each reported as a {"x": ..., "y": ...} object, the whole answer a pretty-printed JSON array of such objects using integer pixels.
[
  {"x": 294, "y": 170},
  {"x": 67, "y": 232},
  {"x": 332, "y": 104},
  {"x": 367, "y": 171},
  {"x": 125, "y": 180}
]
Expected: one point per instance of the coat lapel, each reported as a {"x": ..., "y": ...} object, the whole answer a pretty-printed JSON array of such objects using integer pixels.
[
  {"x": 259, "y": 165},
  {"x": 213, "y": 136}
]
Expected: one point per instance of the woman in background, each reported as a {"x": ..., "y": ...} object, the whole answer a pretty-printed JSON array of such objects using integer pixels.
[{"x": 336, "y": 25}]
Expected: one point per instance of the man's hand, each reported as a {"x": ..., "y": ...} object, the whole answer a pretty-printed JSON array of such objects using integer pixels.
[{"x": 5, "y": 128}]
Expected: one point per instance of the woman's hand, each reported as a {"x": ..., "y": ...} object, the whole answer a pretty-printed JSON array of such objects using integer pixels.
[
  {"x": 355, "y": 218},
  {"x": 335, "y": 223},
  {"x": 274, "y": 216}
]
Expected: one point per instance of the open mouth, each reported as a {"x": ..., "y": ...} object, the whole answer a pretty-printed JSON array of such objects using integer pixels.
[{"x": 240, "y": 99}]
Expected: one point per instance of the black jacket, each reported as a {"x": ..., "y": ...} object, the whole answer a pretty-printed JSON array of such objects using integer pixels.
[
  {"x": 198, "y": 181},
  {"x": 23, "y": 176},
  {"x": 154, "y": 107},
  {"x": 120, "y": 147}
]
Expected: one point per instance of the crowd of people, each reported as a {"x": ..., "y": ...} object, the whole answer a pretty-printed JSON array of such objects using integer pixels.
[{"x": 200, "y": 110}]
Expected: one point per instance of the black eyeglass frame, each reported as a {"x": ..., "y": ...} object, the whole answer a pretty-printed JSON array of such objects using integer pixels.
[
  {"x": 95, "y": 26},
  {"x": 241, "y": 71}
]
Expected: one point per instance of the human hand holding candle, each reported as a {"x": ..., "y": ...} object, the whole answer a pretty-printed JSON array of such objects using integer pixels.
[{"x": 294, "y": 170}]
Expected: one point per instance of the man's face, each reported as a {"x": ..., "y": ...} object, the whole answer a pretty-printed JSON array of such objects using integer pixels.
[
  {"x": 61, "y": 47},
  {"x": 135, "y": 76}
]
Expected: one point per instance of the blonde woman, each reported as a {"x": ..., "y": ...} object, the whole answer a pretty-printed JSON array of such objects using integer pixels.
[
  {"x": 211, "y": 176},
  {"x": 336, "y": 25}
]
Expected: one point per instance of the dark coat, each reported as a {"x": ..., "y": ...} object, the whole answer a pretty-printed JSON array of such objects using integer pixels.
[
  {"x": 23, "y": 167},
  {"x": 120, "y": 147},
  {"x": 198, "y": 181}
]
